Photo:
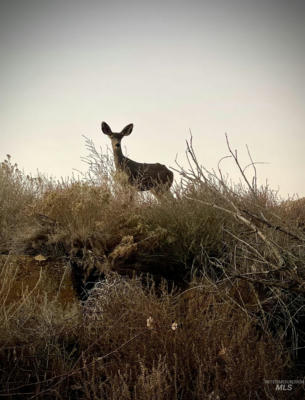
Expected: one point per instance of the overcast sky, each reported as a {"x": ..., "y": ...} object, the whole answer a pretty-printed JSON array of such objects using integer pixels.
[{"x": 215, "y": 67}]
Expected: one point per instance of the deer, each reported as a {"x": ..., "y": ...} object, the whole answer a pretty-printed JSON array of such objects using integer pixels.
[{"x": 154, "y": 177}]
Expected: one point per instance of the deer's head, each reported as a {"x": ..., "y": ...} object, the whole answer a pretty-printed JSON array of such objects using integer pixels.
[{"x": 116, "y": 137}]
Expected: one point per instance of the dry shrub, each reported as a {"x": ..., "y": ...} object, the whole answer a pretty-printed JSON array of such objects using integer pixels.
[
  {"x": 37, "y": 332},
  {"x": 76, "y": 214},
  {"x": 17, "y": 192},
  {"x": 172, "y": 346},
  {"x": 193, "y": 234},
  {"x": 239, "y": 251},
  {"x": 292, "y": 212},
  {"x": 131, "y": 341},
  {"x": 76, "y": 207}
]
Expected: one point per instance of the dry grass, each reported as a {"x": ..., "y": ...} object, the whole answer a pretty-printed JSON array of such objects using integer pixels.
[
  {"x": 202, "y": 294},
  {"x": 129, "y": 342},
  {"x": 16, "y": 194}
]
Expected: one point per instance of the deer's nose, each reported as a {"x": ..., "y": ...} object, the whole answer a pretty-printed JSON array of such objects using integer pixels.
[{"x": 117, "y": 145}]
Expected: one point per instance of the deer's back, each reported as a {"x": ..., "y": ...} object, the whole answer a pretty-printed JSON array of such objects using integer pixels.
[{"x": 147, "y": 176}]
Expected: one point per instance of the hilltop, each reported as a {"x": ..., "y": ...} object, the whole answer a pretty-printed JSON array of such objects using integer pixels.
[{"x": 109, "y": 293}]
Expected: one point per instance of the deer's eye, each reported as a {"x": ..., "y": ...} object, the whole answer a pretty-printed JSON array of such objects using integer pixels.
[{"x": 117, "y": 145}]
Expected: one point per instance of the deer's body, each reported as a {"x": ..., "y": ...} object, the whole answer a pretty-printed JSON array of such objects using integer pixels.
[{"x": 143, "y": 176}]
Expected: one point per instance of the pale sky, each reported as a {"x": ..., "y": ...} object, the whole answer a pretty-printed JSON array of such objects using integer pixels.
[{"x": 168, "y": 66}]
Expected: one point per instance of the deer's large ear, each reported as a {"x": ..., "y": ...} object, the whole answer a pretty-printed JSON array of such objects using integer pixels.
[
  {"x": 127, "y": 130},
  {"x": 106, "y": 128}
]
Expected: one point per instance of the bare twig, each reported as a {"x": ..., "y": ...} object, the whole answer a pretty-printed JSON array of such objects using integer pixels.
[
  {"x": 275, "y": 227},
  {"x": 234, "y": 155}
]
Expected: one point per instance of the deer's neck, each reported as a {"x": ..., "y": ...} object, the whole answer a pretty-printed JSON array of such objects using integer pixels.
[{"x": 118, "y": 157}]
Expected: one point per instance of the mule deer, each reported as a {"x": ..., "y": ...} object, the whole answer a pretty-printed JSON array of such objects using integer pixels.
[{"x": 155, "y": 177}]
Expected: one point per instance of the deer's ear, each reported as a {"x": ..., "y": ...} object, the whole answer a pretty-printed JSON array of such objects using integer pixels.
[
  {"x": 127, "y": 130},
  {"x": 106, "y": 128}
]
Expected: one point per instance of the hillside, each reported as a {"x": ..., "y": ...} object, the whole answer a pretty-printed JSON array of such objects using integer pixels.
[{"x": 107, "y": 293}]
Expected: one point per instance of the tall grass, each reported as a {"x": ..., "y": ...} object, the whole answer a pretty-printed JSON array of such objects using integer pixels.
[{"x": 199, "y": 294}]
